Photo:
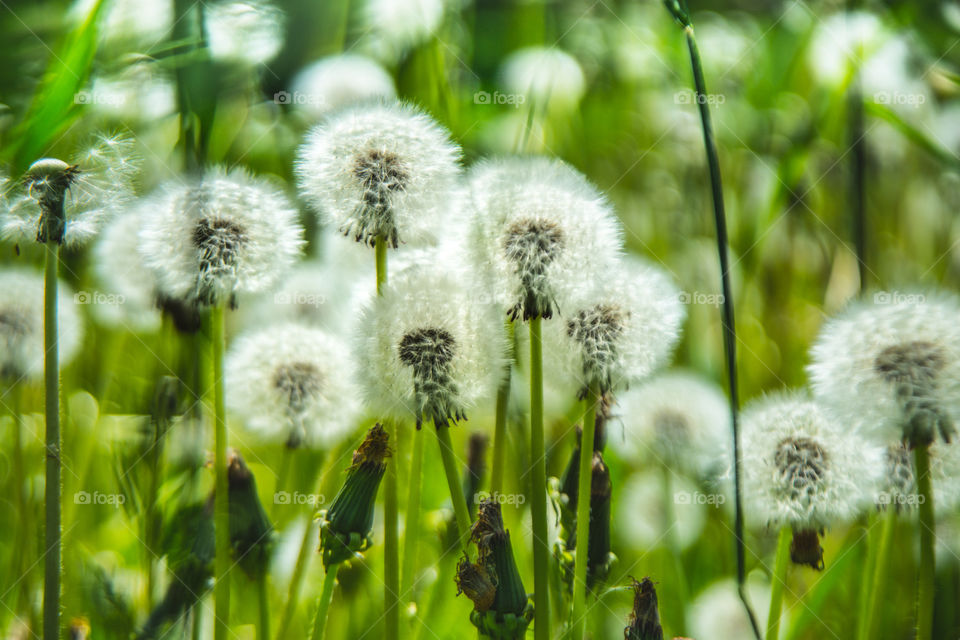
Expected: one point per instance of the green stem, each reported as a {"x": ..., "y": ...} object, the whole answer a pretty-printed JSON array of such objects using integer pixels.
[
  {"x": 778, "y": 582},
  {"x": 263, "y": 594},
  {"x": 579, "y": 621},
  {"x": 925, "y": 589},
  {"x": 411, "y": 535},
  {"x": 293, "y": 591},
  {"x": 51, "y": 371},
  {"x": 867, "y": 572},
  {"x": 323, "y": 604},
  {"x": 880, "y": 573},
  {"x": 221, "y": 503},
  {"x": 453, "y": 482},
  {"x": 500, "y": 430},
  {"x": 538, "y": 488}
]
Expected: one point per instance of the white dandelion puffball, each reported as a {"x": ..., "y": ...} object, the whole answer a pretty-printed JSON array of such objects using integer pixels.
[
  {"x": 128, "y": 294},
  {"x": 679, "y": 420},
  {"x": 396, "y": 26},
  {"x": 427, "y": 349},
  {"x": 891, "y": 366},
  {"x": 898, "y": 489},
  {"x": 219, "y": 235},
  {"x": 718, "y": 612},
  {"x": 544, "y": 76},
  {"x": 841, "y": 42},
  {"x": 617, "y": 332},
  {"x": 292, "y": 383},
  {"x": 248, "y": 33},
  {"x": 641, "y": 517},
  {"x": 540, "y": 232},
  {"x": 21, "y": 324},
  {"x": 92, "y": 187},
  {"x": 380, "y": 170},
  {"x": 340, "y": 81},
  {"x": 801, "y": 467}
]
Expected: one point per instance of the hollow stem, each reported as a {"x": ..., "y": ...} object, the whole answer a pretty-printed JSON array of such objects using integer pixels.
[
  {"x": 500, "y": 430},
  {"x": 881, "y": 570},
  {"x": 323, "y": 604},
  {"x": 538, "y": 487},
  {"x": 778, "y": 582},
  {"x": 921, "y": 460},
  {"x": 579, "y": 620},
  {"x": 411, "y": 536},
  {"x": 52, "y": 506},
  {"x": 450, "y": 469},
  {"x": 263, "y": 597},
  {"x": 221, "y": 508}
]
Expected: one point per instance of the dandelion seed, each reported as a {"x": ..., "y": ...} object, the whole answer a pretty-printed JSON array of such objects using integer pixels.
[
  {"x": 220, "y": 235},
  {"x": 21, "y": 324},
  {"x": 339, "y": 81},
  {"x": 249, "y": 33},
  {"x": 292, "y": 382},
  {"x": 380, "y": 170},
  {"x": 893, "y": 367},
  {"x": 545, "y": 76}
]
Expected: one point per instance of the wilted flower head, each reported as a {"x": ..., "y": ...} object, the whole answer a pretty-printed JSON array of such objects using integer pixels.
[
  {"x": 21, "y": 324},
  {"x": 380, "y": 170},
  {"x": 426, "y": 348},
  {"x": 545, "y": 76},
  {"x": 678, "y": 419},
  {"x": 892, "y": 367},
  {"x": 802, "y": 469},
  {"x": 68, "y": 202},
  {"x": 292, "y": 382},
  {"x": 129, "y": 284},
  {"x": 398, "y": 25},
  {"x": 339, "y": 81},
  {"x": 218, "y": 235},
  {"x": 540, "y": 232},
  {"x": 248, "y": 33},
  {"x": 619, "y": 331}
]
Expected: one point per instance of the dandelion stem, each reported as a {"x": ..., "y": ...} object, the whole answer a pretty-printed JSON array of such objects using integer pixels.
[
  {"x": 263, "y": 595},
  {"x": 881, "y": 570},
  {"x": 323, "y": 604},
  {"x": 921, "y": 459},
  {"x": 51, "y": 371},
  {"x": 460, "y": 510},
  {"x": 538, "y": 487},
  {"x": 867, "y": 572},
  {"x": 411, "y": 535},
  {"x": 293, "y": 591},
  {"x": 221, "y": 510},
  {"x": 579, "y": 621},
  {"x": 778, "y": 582},
  {"x": 500, "y": 430},
  {"x": 857, "y": 176}
]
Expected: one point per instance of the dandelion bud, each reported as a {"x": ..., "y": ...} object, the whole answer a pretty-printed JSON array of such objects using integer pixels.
[
  {"x": 346, "y": 526},
  {"x": 644, "y": 620},
  {"x": 250, "y": 528},
  {"x": 79, "y": 629}
]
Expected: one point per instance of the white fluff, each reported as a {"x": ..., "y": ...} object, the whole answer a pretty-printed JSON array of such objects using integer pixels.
[
  {"x": 544, "y": 76},
  {"x": 340, "y": 81},
  {"x": 249, "y": 33}
]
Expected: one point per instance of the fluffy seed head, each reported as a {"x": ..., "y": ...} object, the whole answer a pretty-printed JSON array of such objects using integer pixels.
[
  {"x": 898, "y": 488},
  {"x": 427, "y": 349},
  {"x": 219, "y": 235},
  {"x": 801, "y": 468},
  {"x": 539, "y": 231},
  {"x": 21, "y": 324},
  {"x": 339, "y": 81},
  {"x": 546, "y": 76},
  {"x": 249, "y": 33},
  {"x": 399, "y": 25},
  {"x": 892, "y": 367},
  {"x": 380, "y": 170},
  {"x": 292, "y": 383}
]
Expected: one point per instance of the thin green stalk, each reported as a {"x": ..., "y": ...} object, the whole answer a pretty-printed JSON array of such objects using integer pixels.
[
  {"x": 579, "y": 621},
  {"x": 858, "y": 162},
  {"x": 867, "y": 572},
  {"x": 453, "y": 482},
  {"x": 263, "y": 597},
  {"x": 881, "y": 570},
  {"x": 221, "y": 509},
  {"x": 51, "y": 373},
  {"x": 323, "y": 604},
  {"x": 925, "y": 589},
  {"x": 293, "y": 591},
  {"x": 411, "y": 535},
  {"x": 500, "y": 430},
  {"x": 778, "y": 582},
  {"x": 538, "y": 488}
]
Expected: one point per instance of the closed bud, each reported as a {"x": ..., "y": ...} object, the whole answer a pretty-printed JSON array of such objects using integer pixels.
[{"x": 644, "y": 620}]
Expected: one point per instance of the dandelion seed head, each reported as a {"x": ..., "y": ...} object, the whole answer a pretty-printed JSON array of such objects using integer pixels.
[
  {"x": 380, "y": 170},
  {"x": 898, "y": 488},
  {"x": 546, "y": 76},
  {"x": 292, "y": 383},
  {"x": 892, "y": 367},
  {"x": 219, "y": 235},
  {"x": 339, "y": 81},
  {"x": 800, "y": 468},
  {"x": 718, "y": 612},
  {"x": 396, "y": 26},
  {"x": 249, "y": 33}
]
